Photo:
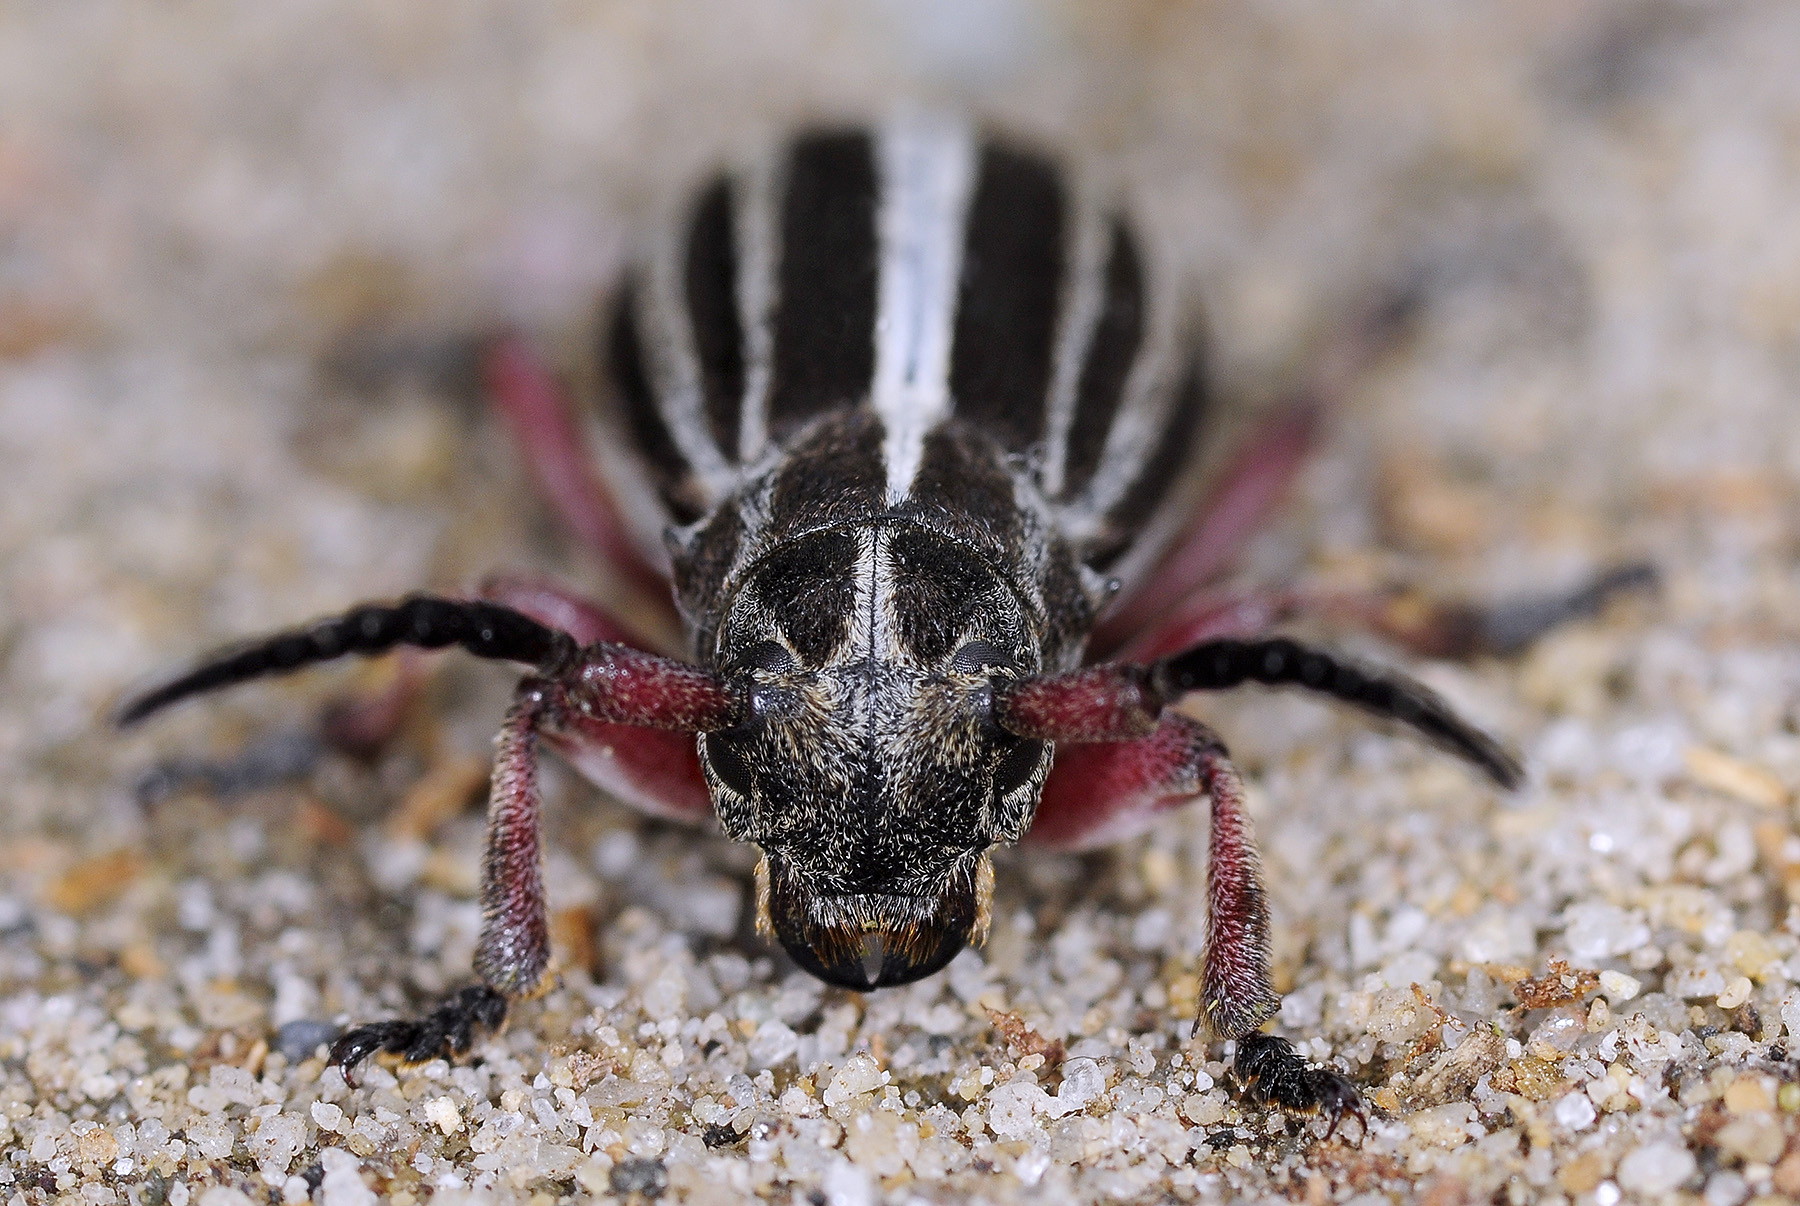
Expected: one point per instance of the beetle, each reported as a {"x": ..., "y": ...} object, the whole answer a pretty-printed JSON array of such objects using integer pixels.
[{"x": 905, "y": 420}]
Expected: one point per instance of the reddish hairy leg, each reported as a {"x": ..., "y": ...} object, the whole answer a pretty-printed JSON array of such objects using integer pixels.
[
  {"x": 1173, "y": 608},
  {"x": 542, "y": 417},
  {"x": 1099, "y": 792},
  {"x": 1248, "y": 491},
  {"x": 1262, "y": 469},
  {"x": 604, "y": 692},
  {"x": 655, "y": 771},
  {"x": 576, "y": 689},
  {"x": 1122, "y": 756}
]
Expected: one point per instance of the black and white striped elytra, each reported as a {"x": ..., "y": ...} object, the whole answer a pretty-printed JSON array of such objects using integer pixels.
[
  {"x": 953, "y": 308},
  {"x": 910, "y": 398}
]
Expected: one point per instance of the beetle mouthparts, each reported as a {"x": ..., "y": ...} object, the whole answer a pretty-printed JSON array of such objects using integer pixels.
[
  {"x": 873, "y": 948},
  {"x": 870, "y": 940}
]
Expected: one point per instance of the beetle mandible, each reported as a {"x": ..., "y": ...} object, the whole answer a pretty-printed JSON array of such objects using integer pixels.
[{"x": 906, "y": 417}]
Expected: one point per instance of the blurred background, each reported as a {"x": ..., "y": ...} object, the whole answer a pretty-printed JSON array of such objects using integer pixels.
[
  {"x": 221, "y": 222},
  {"x": 241, "y": 247}
]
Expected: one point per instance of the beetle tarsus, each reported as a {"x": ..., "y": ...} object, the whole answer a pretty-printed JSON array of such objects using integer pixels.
[
  {"x": 446, "y": 1032},
  {"x": 1272, "y": 1073}
]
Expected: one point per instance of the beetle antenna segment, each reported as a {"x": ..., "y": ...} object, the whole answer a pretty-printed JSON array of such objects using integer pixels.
[
  {"x": 1122, "y": 702},
  {"x": 487, "y": 630},
  {"x": 1279, "y": 662}
]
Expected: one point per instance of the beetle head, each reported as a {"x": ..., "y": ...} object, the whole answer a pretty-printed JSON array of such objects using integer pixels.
[{"x": 870, "y": 769}]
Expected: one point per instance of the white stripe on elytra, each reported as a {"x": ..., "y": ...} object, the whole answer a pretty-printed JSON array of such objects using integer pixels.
[
  {"x": 675, "y": 367},
  {"x": 758, "y": 238},
  {"x": 1146, "y": 408},
  {"x": 926, "y": 172},
  {"x": 1083, "y": 298}
]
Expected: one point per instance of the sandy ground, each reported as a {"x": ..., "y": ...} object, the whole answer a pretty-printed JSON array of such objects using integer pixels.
[{"x": 237, "y": 246}]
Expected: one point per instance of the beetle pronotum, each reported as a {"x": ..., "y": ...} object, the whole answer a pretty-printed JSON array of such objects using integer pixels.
[{"x": 908, "y": 417}]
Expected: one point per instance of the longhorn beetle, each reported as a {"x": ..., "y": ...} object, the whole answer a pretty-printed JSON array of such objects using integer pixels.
[{"x": 906, "y": 417}]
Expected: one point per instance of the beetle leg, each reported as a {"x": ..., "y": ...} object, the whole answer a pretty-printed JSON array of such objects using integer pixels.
[
  {"x": 277, "y": 758},
  {"x": 1211, "y": 615},
  {"x": 363, "y": 722},
  {"x": 1510, "y": 625},
  {"x": 604, "y": 683},
  {"x": 575, "y": 689},
  {"x": 513, "y": 955},
  {"x": 550, "y": 603},
  {"x": 541, "y": 416},
  {"x": 1122, "y": 756},
  {"x": 359, "y": 724},
  {"x": 1272, "y": 1073},
  {"x": 1098, "y": 792},
  {"x": 655, "y": 771},
  {"x": 1169, "y": 608},
  {"x": 1262, "y": 468},
  {"x": 1250, "y": 488}
]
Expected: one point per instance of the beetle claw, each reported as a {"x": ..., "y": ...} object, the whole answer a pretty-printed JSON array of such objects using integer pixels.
[
  {"x": 1272, "y": 1073},
  {"x": 447, "y": 1031}
]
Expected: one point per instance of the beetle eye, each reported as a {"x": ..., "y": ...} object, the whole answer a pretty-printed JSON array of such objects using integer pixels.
[
  {"x": 726, "y": 754},
  {"x": 771, "y": 656},
  {"x": 980, "y": 657},
  {"x": 728, "y": 749},
  {"x": 1017, "y": 767}
]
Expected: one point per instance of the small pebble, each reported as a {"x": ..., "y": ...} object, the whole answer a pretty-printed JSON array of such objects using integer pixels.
[
  {"x": 1619, "y": 987},
  {"x": 639, "y": 1175},
  {"x": 1735, "y": 994},
  {"x": 1726, "y": 1188},
  {"x": 1754, "y": 1137},
  {"x": 300, "y": 1040},
  {"x": 1733, "y": 777},
  {"x": 1655, "y": 1168},
  {"x": 1083, "y": 1082},
  {"x": 443, "y": 1114},
  {"x": 1443, "y": 1126},
  {"x": 343, "y": 1183},
  {"x": 1575, "y": 1112},
  {"x": 845, "y": 1184},
  {"x": 1749, "y": 1094}
]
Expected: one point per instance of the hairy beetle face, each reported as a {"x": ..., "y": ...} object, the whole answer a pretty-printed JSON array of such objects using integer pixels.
[{"x": 870, "y": 771}]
